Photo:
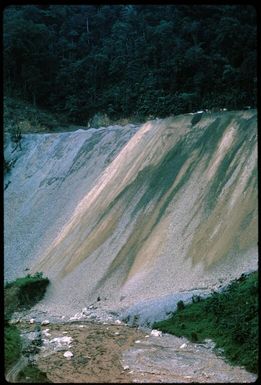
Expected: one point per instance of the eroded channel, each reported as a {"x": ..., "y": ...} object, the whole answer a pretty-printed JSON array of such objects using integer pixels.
[{"x": 109, "y": 352}]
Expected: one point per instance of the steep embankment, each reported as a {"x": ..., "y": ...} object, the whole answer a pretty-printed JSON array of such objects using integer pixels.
[{"x": 134, "y": 213}]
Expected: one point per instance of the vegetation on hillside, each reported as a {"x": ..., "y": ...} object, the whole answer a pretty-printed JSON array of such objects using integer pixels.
[
  {"x": 229, "y": 318},
  {"x": 23, "y": 293},
  {"x": 130, "y": 60},
  {"x": 23, "y": 116},
  {"x": 19, "y": 295}
]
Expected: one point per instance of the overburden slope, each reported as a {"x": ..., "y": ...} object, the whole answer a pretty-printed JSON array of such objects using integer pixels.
[{"x": 133, "y": 213}]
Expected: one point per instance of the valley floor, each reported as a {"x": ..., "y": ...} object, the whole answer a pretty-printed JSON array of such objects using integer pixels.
[{"x": 116, "y": 353}]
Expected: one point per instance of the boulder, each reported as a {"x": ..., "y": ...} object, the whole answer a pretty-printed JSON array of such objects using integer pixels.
[
  {"x": 68, "y": 354},
  {"x": 45, "y": 322},
  {"x": 45, "y": 332},
  {"x": 76, "y": 317},
  {"x": 156, "y": 333}
]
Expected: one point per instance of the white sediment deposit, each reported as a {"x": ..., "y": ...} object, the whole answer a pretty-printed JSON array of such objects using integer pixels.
[{"x": 136, "y": 215}]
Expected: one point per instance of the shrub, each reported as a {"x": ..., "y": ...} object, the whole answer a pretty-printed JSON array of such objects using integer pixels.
[
  {"x": 12, "y": 346},
  {"x": 194, "y": 337},
  {"x": 24, "y": 293},
  {"x": 7, "y": 166},
  {"x": 16, "y": 134},
  {"x": 196, "y": 118},
  {"x": 180, "y": 305},
  {"x": 229, "y": 318},
  {"x": 32, "y": 374},
  {"x": 196, "y": 298}
]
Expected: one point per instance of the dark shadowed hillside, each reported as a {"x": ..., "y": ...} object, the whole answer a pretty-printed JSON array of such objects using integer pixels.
[{"x": 130, "y": 60}]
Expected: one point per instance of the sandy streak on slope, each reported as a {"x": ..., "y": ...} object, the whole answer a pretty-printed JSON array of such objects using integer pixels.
[
  {"x": 214, "y": 239},
  {"x": 111, "y": 173},
  {"x": 151, "y": 248},
  {"x": 225, "y": 143},
  {"x": 132, "y": 158}
]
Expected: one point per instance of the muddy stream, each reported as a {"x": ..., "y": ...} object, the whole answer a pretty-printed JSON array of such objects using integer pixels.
[{"x": 116, "y": 353}]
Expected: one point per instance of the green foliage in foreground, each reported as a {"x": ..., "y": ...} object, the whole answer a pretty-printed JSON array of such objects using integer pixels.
[
  {"x": 31, "y": 374},
  {"x": 229, "y": 318},
  {"x": 13, "y": 345},
  {"x": 18, "y": 295},
  {"x": 13, "y": 350}
]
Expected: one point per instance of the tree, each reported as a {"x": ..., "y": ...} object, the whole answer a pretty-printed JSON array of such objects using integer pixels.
[{"x": 126, "y": 59}]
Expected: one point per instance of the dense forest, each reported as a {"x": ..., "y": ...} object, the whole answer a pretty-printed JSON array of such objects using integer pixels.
[{"x": 130, "y": 60}]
